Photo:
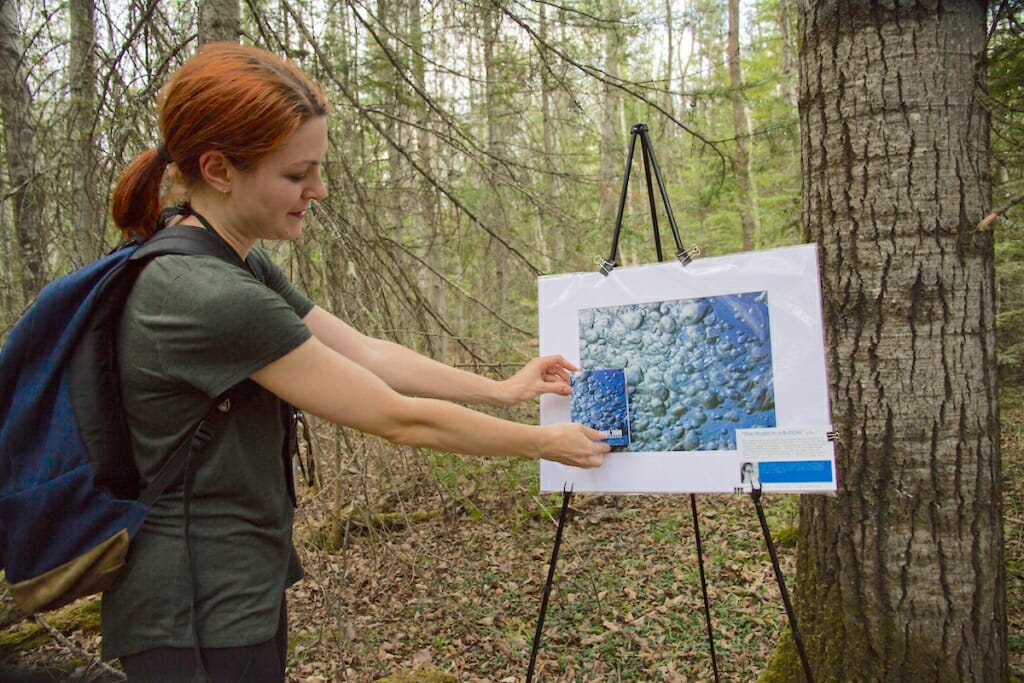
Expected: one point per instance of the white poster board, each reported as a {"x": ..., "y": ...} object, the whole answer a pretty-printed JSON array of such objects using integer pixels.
[{"x": 725, "y": 370}]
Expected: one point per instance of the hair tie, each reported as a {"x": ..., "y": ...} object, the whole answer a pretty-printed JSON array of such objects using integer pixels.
[{"x": 164, "y": 155}]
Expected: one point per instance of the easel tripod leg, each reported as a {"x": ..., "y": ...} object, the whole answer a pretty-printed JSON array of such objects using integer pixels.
[
  {"x": 780, "y": 579},
  {"x": 566, "y": 495},
  {"x": 704, "y": 585}
]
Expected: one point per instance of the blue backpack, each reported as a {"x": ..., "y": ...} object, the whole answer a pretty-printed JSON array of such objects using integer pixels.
[{"x": 70, "y": 500}]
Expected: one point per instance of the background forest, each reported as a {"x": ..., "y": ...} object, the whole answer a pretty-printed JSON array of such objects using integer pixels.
[{"x": 473, "y": 147}]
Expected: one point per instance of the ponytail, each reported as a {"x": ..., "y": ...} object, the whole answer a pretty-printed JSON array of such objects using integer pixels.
[{"x": 135, "y": 205}]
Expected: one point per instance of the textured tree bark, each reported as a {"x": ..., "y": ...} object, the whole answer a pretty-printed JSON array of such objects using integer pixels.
[
  {"x": 22, "y": 152},
  {"x": 550, "y": 240},
  {"x": 741, "y": 156},
  {"x": 219, "y": 20},
  {"x": 786, "y": 44},
  {"x": 426, "y": 218},
  {"x": 495, "y": 212},
  {"x": 901, "y": 576},
  {"x": 88, "y": 215},
  {"x": 612, "y": 127}
]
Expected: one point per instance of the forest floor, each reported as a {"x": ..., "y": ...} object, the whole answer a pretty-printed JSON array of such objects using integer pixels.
[{"x": 456, "y": 596}]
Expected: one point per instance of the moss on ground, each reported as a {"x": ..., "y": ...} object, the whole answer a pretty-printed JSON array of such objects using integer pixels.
[{"x": 82, "y": 615}]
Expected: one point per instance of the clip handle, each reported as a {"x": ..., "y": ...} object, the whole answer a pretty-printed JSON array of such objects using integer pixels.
[
  {"x": 605, "y": 265},
  {"x": 685, "y": 256}
]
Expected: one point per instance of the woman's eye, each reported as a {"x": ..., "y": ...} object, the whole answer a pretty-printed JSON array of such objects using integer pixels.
[{"x": 297, "y": 178}]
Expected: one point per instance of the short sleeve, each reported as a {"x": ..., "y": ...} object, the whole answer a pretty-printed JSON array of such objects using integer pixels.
[
  {"x": 275, "y": 278},
  {"x": 214, "y": 324}
]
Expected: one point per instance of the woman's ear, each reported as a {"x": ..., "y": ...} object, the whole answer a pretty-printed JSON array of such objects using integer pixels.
[{"x": 216, "y": 170}]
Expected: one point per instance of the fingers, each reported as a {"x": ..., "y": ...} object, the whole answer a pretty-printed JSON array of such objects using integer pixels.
[
  {"x": 565, "y": 364},
  {"x": 591, "y": 459},
  {"x": 596, "y": 448},
  {"x": 574, "y": 445},
  {"x": 557, "y": 370},
  {"x": 547, "y": 375},
  {"x": 563, "y": 388},
  {"x": 557, "y": 365}
]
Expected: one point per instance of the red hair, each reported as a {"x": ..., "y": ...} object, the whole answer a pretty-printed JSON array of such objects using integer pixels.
[{"x": 239, "y": 100}]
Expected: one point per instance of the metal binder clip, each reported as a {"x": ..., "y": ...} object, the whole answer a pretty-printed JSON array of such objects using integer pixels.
[{"x": 685, "y": 256}]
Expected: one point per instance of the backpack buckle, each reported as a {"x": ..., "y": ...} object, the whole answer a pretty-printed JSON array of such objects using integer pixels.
[{"x": 204, "y": 432}]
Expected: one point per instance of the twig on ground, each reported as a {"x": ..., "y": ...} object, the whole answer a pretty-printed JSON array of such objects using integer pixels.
[{"x": 66, "y": 642}]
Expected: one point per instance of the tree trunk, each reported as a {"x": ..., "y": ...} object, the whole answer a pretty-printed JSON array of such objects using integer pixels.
[
  {"x": 551, "y": 242},
  {"x": 901, "y": 576},
  {"x": 741, "y": 157},
  {"x": 22, "y": 152},
  {"x": 667, "y": 95},
  {"x": 394, "y": 199},
  {"x": 219, "y": 20},
  {"x": 788, "y": 61},
  {"x": 614, "y": 133},
  {"x": 425, "y": 218},
  {"x": 683, "y": 78},
  {"x": 496, "y": 116},
  {"x": 87, "y": 213}
]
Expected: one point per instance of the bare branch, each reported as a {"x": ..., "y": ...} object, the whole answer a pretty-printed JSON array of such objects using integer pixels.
[{"x": 987, "y": 221}]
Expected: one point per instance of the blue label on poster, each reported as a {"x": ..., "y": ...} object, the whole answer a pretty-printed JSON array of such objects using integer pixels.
[{"x": 795, "y": 472}]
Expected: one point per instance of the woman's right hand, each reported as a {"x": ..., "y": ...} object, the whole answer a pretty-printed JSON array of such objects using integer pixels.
[{"x": 574, "y": 445}]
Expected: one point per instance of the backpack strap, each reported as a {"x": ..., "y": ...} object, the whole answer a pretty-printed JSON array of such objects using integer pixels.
[
  {"x": 190, "y": 240},
  {"x": 193, "y": 241},
  {"x": 202, "y": 434},
  {"x": 175, "y": 466}
]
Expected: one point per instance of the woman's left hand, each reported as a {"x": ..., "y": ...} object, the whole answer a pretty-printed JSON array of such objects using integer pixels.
[{"x": 545, "y": 375}]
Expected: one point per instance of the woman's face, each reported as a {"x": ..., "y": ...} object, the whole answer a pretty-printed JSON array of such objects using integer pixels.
[{"x": 270, "y": 200}]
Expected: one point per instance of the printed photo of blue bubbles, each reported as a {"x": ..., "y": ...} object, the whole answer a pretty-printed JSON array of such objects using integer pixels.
[
  {"x": 599, "y": 401},
  {"x": 696, "y": 369}
]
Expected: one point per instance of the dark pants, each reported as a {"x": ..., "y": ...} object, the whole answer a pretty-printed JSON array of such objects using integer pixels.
[{"x": 262, "y": 663}]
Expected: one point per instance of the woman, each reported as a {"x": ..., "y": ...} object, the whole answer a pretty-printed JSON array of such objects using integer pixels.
[{"x": 244, "y": 135}]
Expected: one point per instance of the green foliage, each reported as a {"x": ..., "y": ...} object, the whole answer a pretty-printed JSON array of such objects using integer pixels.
[
  {"x": 1006, "y": 89},
  {"x": 1012, "y": 446}
]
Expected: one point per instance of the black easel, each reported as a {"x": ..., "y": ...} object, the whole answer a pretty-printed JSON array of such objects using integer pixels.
[
  {"x": 639, "y": 132},
  {"x": 755, "y": 494},
  {"x": 685, "y": 256}
]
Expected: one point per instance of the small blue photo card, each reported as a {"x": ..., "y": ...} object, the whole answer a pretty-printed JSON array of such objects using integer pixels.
[{"x": 599, "y": 400}]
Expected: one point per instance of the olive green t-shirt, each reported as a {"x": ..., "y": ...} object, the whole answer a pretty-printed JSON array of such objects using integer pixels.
[{"x": 193, "y": 327}]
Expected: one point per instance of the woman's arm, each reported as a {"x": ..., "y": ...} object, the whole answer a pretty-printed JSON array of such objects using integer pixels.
[
  {"x": 414, "y": 374},
  {"x": 326, "y": 383}
]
